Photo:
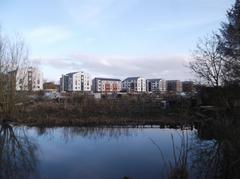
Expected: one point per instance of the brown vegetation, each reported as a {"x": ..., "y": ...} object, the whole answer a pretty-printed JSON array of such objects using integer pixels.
[
  {"x": 13, "y": 57},
  {"x": 85, "y": 110}
]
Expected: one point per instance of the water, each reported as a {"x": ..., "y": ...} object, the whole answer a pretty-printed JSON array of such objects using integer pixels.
[{"x": 87, "y": 152}]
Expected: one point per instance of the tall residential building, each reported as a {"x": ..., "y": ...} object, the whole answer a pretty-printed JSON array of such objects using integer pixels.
[
  {"x": 188, "y": 86},
  {"x": 174, "y": 86},
  {"x": 156, "y": 85},
  {"x": 30, "y": 79},
  {"x": 134, "y": 84},
  {"x": 104, "y": 85},
  {"x": 75, "y": 81}
]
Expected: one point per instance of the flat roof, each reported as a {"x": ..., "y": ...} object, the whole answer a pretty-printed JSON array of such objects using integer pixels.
[{"x": 109, "y": 79}]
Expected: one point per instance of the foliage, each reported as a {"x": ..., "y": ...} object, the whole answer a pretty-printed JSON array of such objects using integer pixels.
[
  {"x": 13, "y": 57},
  {"x": 83, "y": 109},
  {"x": 230, "y": 43}
]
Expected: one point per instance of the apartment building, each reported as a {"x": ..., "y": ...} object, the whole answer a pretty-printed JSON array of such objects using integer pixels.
[
  {"x": 106, "y": 85},
  {"x": 30, "y": 79},
  {"x": 134, "y": 84},
  {"x": 75, "y": 81},
  {"x": 156, "y": 85},
  {"x": 174, "y": 86},
  {"x": 188, "y": 86}
]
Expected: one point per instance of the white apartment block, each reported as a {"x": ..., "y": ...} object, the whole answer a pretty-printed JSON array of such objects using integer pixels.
[
  {"x": 105, "y": 85},
  {"x": 134, "y": 84},
  {"x": 156, "y": 85},
  {"x": 76, "y": 81},
  {"x": 30, "y": 79}
]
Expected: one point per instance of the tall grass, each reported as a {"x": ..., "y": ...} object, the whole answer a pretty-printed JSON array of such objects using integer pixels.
[
  {"x": 177, "y": 168},
  {"x": 81, "y": 109}
]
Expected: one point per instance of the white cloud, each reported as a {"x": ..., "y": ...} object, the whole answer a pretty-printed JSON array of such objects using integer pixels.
[{"x": 167, "y": 67}]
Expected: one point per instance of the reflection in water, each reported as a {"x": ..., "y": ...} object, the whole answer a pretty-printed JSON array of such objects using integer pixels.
[
  {"x": 208, "y": 155},
  {"x": 218, "y": 157},
  {"x": 206, "y": 158},
  {"x": 68, "y": 133},
  {"x": 99, "y": 152},
  {"x": 17, "y": 153},
  {"x": 97, "y": 132},
  {"x": 178, "y": 166}
]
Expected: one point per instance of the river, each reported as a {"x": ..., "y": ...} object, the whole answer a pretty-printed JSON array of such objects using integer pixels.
[{"x": 96, "y": 152}]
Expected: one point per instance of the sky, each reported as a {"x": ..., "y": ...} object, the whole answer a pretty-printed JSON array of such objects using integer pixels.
[{"x": 112, "y": 38}]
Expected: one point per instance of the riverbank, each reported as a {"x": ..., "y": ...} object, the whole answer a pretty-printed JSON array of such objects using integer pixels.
[
  {"x": 105, "y": 121},
  {"x": 86, "y": 111}
]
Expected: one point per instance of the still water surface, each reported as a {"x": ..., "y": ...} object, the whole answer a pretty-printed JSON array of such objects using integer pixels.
[{"x": 89, "y": 152}]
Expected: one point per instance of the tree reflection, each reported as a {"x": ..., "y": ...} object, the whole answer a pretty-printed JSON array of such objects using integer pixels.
[
  {"x": 68, "y": 133},
  {"x": 98, "y": 132},
  {"x": 218, "y": 157},
  {"x": 17, "y": 153},
  {"x": 206, "y": 156}
]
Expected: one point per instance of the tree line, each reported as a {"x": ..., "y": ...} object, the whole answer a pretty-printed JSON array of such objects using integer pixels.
[
  {"x": 216, "y": 60},
  {"x": 13, "y": 58}
]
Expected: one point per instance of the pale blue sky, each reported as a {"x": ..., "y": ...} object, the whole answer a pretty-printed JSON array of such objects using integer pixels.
[{"x": 115, "y": 38}]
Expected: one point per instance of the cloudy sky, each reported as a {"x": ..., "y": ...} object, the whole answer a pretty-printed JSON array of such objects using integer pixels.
[{"x": 112, "y": 38}]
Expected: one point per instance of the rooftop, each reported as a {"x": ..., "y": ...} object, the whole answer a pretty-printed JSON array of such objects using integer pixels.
[
  {"x": 72, "y": 73},
  {"x": 131, "y": 78},
  {"x": 109, "y": 79},
  {"x": 154, "y": 79}
]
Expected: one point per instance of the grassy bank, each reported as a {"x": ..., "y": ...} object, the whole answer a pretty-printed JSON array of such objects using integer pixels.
[{"x": 85, "y": 110}]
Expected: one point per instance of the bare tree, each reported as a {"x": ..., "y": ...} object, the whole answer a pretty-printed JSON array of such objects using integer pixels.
[
  {"x": 13, "y": 58},
  {"x": 208, "y": 63}
]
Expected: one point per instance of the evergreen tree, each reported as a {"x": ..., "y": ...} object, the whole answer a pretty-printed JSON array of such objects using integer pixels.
[{"x": 230, "y": 46}]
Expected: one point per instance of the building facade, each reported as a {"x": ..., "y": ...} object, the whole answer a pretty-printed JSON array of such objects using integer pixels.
[
  {"x": 106, "y": 85},
  {"x": 76, "y": 81},
  {"x": 30, "y": 79},
  {"x": 188, "y": 86},
  {"x": 156, "y": 85},
  {"x": 174, "y": 86},
  {"x": 134, "y": 84},
  {"x": 50, "y": 87}
]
